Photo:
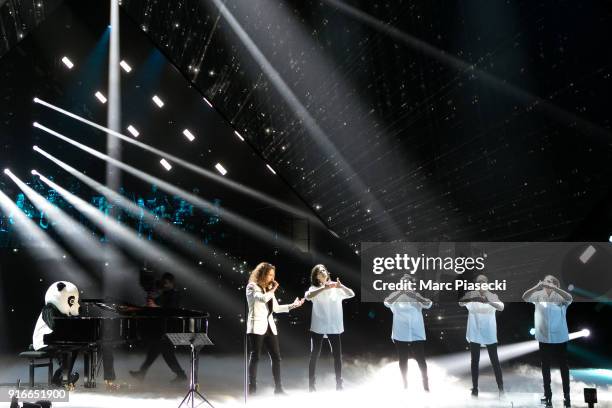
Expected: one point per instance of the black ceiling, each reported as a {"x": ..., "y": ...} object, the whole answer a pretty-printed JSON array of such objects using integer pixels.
[
  {"x": 19, "y": 17},
  {"x": 452, "y": 120}
]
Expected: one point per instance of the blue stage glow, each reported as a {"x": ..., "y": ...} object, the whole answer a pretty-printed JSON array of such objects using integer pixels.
[
  {"x": 532, "y": 331},
  {"x": 173, "y": 209}
]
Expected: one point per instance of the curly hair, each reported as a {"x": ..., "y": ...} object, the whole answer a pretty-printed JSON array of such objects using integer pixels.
[{"x": 259, "y": 273}]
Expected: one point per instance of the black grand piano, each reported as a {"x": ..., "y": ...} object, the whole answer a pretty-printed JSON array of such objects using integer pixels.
[{"x": 107, "y": 323}]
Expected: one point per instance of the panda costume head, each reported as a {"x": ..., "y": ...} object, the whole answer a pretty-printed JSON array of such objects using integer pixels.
[
  {"x": 61, "y": 299},
  {"x": 65, "y": 297}
]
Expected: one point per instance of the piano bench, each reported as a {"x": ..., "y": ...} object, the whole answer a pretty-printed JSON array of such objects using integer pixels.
[{"x": 34, "y": 358}]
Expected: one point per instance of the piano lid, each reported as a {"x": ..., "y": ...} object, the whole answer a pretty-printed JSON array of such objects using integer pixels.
[{"x": 109, "y": 308}]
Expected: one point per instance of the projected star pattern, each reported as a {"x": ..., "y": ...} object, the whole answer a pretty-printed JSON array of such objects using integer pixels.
[{"x": 443, "y": 155}]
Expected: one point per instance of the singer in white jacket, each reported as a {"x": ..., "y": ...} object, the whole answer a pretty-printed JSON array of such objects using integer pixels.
[{"x": 261, "y": 328}]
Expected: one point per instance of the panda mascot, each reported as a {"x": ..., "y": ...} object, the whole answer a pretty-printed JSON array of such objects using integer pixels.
[{"x": 61, "y": 299}]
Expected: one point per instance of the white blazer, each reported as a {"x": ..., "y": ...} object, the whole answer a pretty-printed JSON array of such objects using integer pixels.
[{"x": 259, "y": 318}]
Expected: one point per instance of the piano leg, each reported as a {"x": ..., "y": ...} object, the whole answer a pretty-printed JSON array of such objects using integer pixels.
[
  {"x": 90, "y": 360},
  {"x": 65, "y": 367}
]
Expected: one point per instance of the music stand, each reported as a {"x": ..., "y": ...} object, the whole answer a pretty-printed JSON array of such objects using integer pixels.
[{"x": 195, "y": 341}]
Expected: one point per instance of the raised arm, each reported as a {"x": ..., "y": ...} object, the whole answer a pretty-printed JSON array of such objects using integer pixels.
[
  {"x": 310, "y": 294},
  {"x": 493, "y": 300},
  {"x": 253, "y": 291},
  {"x": 527, "y": 295},
  {"x": 287, "y": 307},
  {"x": 468, "y": 298},
  {"x": 392, "y": 298},
  {"x": 348, "y": 292},
  {"x": 425, "y": 303},
  {"x": 567, "y": 298}
]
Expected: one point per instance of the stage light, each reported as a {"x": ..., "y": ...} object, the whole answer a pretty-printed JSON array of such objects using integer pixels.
[
  {"x": 28, "y": 230},
  {"x": 158, "y": 101},
  {"x": 553, "y": 111},
  {"x": 166, "y": 165},
  {"x": 189, "y": 135},
  {"x": 133, "y": 131},
  {"x": 239, "y": 135},
  {"x": 315, "y": 132},
  {"x": 532, "y": 331},
  {"x": 245, "y": 224},
  {"x": 460, "y": 362},
  {"x": 270, "y": 168},
  {"x": 7, "y": 171},
  {"x": 67, "y": 62},
  {"x": 143, "y": 248},
  {"x": 126, "y": 67},
  {"x": 610, "y": 238},
  {"x": 33, "y": 172},
  {"x": 220, "y": 169},
  {"x": 208, "y": 102},
  {"x": 101, "y": 97},
  {"x": 163, "y": 227},
  {"x": 585, "y": 332},
  {"x": 587, "y": 254},
  {"x": 73, "y": 232},
  {"x": 183, "y": 163}
]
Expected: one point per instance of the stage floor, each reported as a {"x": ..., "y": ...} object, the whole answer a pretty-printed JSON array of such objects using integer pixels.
[{"x": 366, "y": 384}]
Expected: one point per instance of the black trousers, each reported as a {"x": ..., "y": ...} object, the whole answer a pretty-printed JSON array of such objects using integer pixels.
[
  {"x": 492, "y": 350},
  {"x": 255, "y": 344},
  {"x": 550, "y": 352},
  {"x": 416, "y": 350},
  {"x": 108, "y": 360},
  {"x": 316, "y": 342},
  {"x": 165, "y": 348},
  {"x": 66, "y": 360}
]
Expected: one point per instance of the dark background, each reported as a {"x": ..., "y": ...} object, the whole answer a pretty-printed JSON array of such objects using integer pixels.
[{"x": 445, "y": 152}]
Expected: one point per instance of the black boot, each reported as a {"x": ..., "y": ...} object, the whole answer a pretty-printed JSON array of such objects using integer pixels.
[
  {"x": 57, "y": 378},
  {"x": 566, "y": 401},
  {"x": 475, "y": 392},
  {"x": 179, "y": 379},
  {"x": 312, "y": 387},
  {"x": 339, "y": 384},
  {"x": 278, "y": 390},
  {"x": 138, "y": 375},
  {"x": 547, "y": 401}
]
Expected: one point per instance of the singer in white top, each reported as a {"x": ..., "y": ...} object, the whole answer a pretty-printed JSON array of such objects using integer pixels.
[
  {"x": 482, "y": 330},
  {"x": 261, "y": 328},
  {"x": 408, "y": 332},
  {"x": 551, "y": 331},
  {"x": 326, "y": 321}
]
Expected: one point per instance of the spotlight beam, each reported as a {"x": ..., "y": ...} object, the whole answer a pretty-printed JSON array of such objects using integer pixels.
[
  {"x": 148, "y": 249},
  {"x": 554, "y": 112},
  {"x": 113, "y": 114},
  {"x": 162, "y": 226},
  {"x": 81, "y": 239},
  {"x": 188, "y": 165},
  {"x": 318, "y": 134},
  {"x": 27, "y": 229},
  {"x": 460, "y": 362},
  {"x": 240, "y": 222}
]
